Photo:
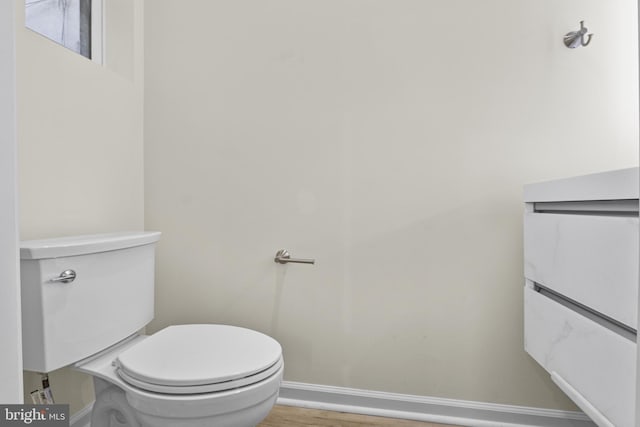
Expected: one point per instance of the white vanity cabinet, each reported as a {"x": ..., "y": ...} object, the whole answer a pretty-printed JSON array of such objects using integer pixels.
[{"x": 581, "y": 289}]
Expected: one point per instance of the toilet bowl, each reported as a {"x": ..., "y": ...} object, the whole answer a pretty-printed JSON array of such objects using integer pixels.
[{"x": 191, "y": 375}]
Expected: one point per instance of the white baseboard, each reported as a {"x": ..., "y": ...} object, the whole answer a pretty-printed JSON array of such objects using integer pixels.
[
  {"x": 409, "y": 407},
  {"x": 419, "y": 408}
]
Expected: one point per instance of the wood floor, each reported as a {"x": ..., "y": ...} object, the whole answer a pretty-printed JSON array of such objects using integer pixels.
[{"x": 289, "y": 416}]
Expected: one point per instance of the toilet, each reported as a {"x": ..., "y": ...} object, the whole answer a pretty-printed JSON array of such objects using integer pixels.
[{"x": 85, "y": 300}]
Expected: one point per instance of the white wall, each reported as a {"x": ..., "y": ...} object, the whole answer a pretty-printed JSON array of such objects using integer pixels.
[
  {"x": 80, "y": 142},
  {"x": 10, "y": 336},
  {"x": 80, "y": 139},
  {"x": 390, "y": 140}
]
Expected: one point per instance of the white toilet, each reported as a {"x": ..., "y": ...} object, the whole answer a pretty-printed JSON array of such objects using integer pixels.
[{"x": 84, "y": 300}]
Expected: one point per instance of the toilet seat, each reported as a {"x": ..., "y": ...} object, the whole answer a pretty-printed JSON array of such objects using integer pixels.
[
  {"x": 204, "y": 388},
  {"x": 192, "y": 359}
]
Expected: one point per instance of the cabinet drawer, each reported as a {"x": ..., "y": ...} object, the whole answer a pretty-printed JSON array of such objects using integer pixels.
[
  {"x": 598, "y": 363},
  {"x": 590, "y": 259}
]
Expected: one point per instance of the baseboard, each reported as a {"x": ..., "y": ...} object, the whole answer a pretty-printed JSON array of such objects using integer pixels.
[
  {"x": 419, "y": 408},
  {"x": 82, "y": 418},
  {"x": 409, "y": 407}
]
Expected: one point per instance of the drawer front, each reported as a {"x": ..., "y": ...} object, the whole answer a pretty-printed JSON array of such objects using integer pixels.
[
  {"x": 590, "y": 259},
  {"x": 598, "y": 363}
]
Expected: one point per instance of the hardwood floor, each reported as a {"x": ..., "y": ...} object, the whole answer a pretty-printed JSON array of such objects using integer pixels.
[{"x": 289, "y": 416}]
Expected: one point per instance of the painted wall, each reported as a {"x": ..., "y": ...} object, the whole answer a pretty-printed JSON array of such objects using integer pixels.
[
  {"x": 10, "y": 361},
  {"x": 390, "y": 140},
  {"x": 80, "y": 138}
]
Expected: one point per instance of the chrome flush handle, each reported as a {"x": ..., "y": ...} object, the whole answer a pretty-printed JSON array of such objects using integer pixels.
[{"x": 66, "y": 276}]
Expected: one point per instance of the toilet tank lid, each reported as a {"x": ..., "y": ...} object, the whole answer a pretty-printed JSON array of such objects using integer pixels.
[{"x": 87, "y": 244}]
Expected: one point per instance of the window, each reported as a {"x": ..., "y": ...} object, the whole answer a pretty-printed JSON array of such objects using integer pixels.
[{"x": 75, "y": 24}]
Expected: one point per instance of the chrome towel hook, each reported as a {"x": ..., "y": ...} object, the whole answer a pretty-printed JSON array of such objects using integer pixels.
[{"x": 577, "y": 38}]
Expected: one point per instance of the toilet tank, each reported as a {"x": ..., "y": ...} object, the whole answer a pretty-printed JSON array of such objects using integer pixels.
[{"x": 111, "y": 297}]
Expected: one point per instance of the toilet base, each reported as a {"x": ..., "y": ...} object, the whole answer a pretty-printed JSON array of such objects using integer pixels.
[
  {"x": 112, "y": 409},
  {"x": 248, "y": 417}
]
